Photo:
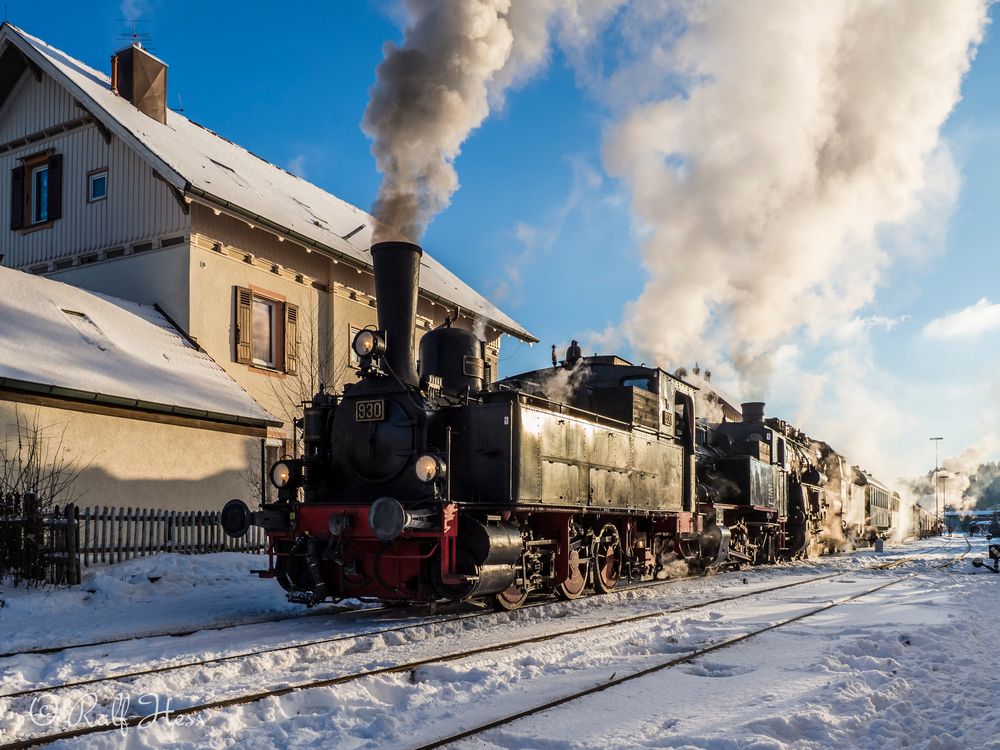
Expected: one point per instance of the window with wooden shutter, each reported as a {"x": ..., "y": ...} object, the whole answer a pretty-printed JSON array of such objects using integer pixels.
[
  {"x": 55, "y": 187},
  {"x": 291, "y": 339},
  {"x": 17, "y": 197},
  {"x": 244, "y": 326},
  {"x": 36, "y": 191}
]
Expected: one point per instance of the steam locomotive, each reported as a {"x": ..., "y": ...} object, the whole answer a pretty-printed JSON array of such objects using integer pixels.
[{"x": 418, "y": 485}]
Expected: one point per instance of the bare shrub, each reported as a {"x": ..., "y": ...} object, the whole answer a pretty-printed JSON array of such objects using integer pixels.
[{"x": 36, "y": 474}]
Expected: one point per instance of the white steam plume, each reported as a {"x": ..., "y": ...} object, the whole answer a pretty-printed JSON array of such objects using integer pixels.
[
  {"x": 457, "y": 59},
  {"x": 793, "y": 132},
  {"x": 953, "y": 490}
]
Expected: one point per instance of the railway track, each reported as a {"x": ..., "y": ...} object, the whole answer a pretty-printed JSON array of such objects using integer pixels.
[
  {"x": 458, "y": 617},
  {"x": 285, "y": 689},
  {"x": 118, "y": 676},
  {"x": 670, "y": 663},
  {"x": 324, "y": 612}
]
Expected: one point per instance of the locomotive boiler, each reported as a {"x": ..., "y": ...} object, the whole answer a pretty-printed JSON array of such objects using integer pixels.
[{"x": 418, "y": 485}]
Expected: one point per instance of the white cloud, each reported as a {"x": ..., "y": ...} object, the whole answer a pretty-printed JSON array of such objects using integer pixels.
[
  {"x": 537, "y": 240},
  {"x": 978, "y": 318},
  {"x": 134, "y": 10},
  {"x": 883, "y": 322}
]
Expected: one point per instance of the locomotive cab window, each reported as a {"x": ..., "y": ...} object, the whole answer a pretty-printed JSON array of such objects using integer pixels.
[{"x": 645, "y": 383}]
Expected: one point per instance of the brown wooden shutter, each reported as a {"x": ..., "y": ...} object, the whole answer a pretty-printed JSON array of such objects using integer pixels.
[
  {"x": 291, "y": 339},
  {"x": 244, "y": 325},
  {"x": 17, "y": 197},
  {"x": 55, "y": 187}
]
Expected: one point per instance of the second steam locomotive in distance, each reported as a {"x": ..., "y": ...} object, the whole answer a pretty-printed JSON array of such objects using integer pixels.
[{"x": 423, "y": 484}]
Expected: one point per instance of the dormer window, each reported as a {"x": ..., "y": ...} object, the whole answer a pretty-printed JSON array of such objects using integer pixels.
[{"x": 36, "y": 191}]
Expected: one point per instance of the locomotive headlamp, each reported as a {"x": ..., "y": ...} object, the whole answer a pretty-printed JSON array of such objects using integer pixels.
[
  {"x": 429, "y": 468},
  {"x": 281, "y": 474},
  {"x": 368, "y": 343}
]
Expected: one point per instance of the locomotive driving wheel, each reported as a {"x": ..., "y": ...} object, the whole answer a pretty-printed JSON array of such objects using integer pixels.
[
  {"x": 576, "y": 575},
  {"x": 510, "y": 599},
  {"x": 607, "y": 559}
]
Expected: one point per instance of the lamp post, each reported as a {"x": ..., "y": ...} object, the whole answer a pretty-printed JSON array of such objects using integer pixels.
[
  {"x": 937, "y": 511},
  {"x": 943, "y": 475}
]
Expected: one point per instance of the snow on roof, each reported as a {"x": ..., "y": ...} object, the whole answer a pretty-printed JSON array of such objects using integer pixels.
[
  {"x": 63, "y": 338},
  {"x": 201, "y": 163}
]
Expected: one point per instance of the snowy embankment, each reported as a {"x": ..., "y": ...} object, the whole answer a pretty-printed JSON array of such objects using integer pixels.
[
  {"x": 165, "y": 592},
  {"x": 909, "y": 666}
]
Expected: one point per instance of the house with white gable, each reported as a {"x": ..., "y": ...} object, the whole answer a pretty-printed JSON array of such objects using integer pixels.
[{"x": 108, "y": 190}]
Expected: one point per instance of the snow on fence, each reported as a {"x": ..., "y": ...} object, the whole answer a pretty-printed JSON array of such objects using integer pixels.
[{"x": 53, "y": 544}]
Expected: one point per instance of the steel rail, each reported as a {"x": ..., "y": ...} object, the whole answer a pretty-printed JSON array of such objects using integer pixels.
[{"x": 262, "y": 620}]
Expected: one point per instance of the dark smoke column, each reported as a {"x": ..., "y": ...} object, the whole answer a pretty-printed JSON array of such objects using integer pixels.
[{"x": 428, "y": 95}]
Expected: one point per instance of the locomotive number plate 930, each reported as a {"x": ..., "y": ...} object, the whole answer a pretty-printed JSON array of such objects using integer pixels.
[{"x": 370, "y": 411}]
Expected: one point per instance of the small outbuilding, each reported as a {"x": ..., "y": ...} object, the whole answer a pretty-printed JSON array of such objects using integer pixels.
[{"x": 114, "y": 394}]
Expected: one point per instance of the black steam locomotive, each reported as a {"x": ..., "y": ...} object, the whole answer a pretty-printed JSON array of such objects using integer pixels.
[{"x": 425, "y": 485}]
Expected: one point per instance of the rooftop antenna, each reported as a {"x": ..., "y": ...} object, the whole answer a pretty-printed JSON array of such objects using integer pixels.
[
  {"x": 180, "y": 104},
  {"x": 135, "y": 36}
]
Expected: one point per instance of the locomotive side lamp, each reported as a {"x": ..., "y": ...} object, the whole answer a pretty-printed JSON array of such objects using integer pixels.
[
  {"x": 368, "y": 343},
  {"x": 287, "y": 476},
  {"x": 281, "y": 474},
  {"x": 429, "y": 468}
]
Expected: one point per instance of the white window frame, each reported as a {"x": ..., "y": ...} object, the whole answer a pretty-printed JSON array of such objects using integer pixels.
[
  {"x": 91, "y": 179},
  {"x": 355, "y": 360},
  {"x": 34, "y": 196},
  {"x": 275, "y": 308}
]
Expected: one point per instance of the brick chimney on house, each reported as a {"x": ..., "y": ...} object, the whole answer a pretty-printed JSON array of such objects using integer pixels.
[{"x": 142, "y": 79}]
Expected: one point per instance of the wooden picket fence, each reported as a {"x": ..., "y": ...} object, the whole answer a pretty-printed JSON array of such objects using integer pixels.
[
  {"x": 110, "y": 535},
  {"x": 54, "y": 544},
  {"x": 38, "y": 543}
]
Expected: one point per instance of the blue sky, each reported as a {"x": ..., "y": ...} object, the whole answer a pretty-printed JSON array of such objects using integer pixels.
[
  {"x": 537, "y": 223},
  {"x": 292, "y": 87}
]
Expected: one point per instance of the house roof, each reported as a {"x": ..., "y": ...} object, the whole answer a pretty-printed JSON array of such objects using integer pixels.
[
  {"x": 65, "y": 341},
  {"x": 207, "y": 167}
]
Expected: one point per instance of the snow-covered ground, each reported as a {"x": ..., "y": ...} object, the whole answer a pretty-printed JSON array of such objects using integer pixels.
[
  {"x": 912, "y": 665},
  {"x": 148, "y": 595}
]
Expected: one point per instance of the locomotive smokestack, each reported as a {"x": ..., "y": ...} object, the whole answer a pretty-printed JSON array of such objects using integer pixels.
[
  {"x": 753, "y": 412},
  {"x": 397, "y": 276}
]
